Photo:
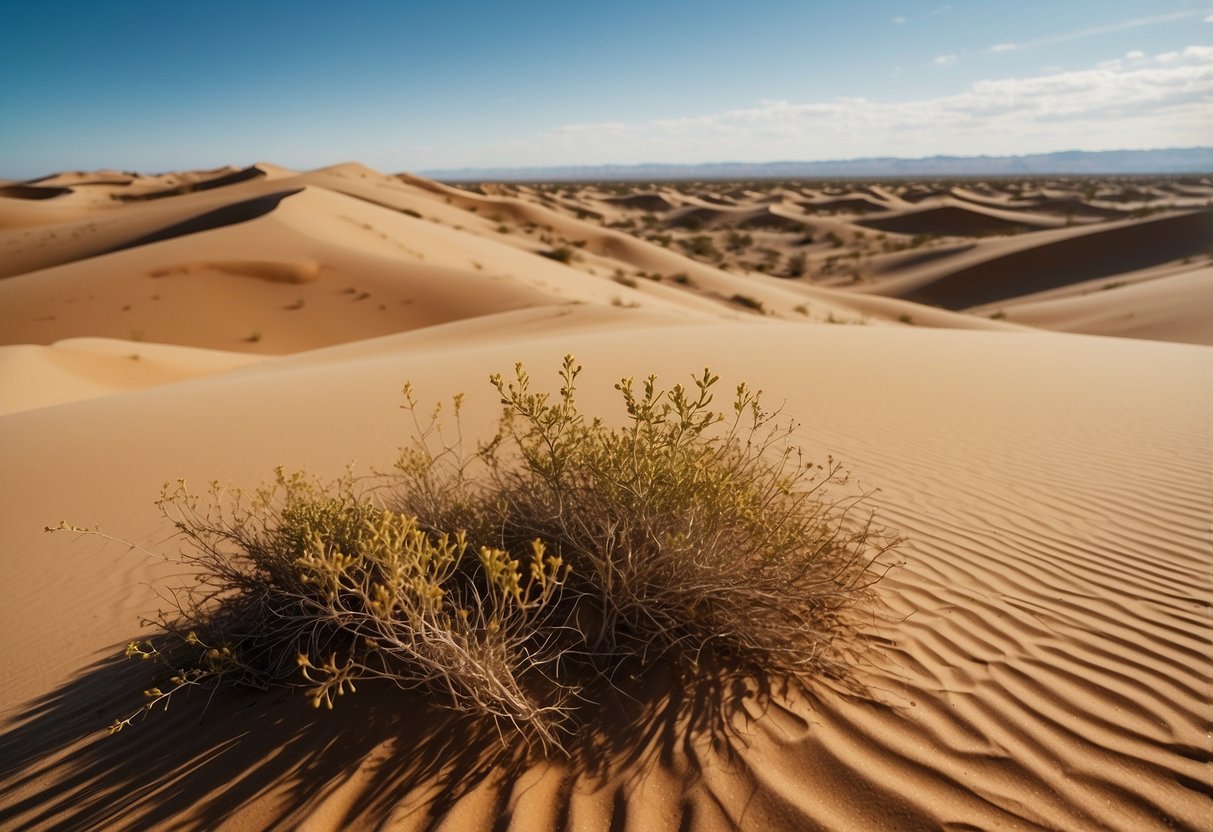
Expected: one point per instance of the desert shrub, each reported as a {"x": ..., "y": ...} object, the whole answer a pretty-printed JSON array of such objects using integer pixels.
[
  {"x": 797, "y": 264},
  {"x": 700, "y": 246},
  {"x": 748, "y": 302},
  {"x": 561, "y": 254},
  {"x": 305, "y": 585},
  {"x": 519, "y": 581},
  {"x": 737, "y": 241}
]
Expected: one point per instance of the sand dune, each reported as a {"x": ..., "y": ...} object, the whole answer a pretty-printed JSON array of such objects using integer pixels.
[
  {"x": 85, "y": 368},
  {"x": 1102, "y": 253},
  {"x": 206, "y": 184},
  {"x": 644, "y": 202},
  {"x": 955, "y": 221},
  {"x": 31, "y": 192},
  {"x": 1041, "y": 655},
  {"x": 852, "y": 205},
  {"x": 1174, "y": 307},
  {"x": 1064, "y": 204}
]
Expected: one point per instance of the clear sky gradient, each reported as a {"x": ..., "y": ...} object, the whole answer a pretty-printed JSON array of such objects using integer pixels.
[{"x": 160, "y": 84}]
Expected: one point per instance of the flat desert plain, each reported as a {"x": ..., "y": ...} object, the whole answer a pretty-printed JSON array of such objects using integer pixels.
[{"x": 1022, "y": 368}]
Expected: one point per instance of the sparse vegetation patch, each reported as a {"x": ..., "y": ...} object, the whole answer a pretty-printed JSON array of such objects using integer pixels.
[{"x": 520, "y": 580}]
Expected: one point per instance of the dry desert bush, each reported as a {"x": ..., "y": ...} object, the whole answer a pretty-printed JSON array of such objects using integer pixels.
[{"x": 518, "y": 580}]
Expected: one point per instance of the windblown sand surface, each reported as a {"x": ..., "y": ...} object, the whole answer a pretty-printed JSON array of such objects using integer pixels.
[{"x": 1044, "y": 659}]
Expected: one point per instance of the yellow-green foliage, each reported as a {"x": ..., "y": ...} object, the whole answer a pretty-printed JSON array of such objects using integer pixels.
[
  {"x": 516, "y": 580},
  {"x": 302, "y": 584}
]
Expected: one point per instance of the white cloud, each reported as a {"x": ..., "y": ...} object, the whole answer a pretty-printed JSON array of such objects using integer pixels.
[
  {"x": 1004, "y": 47},
  {"x": 1114, "y": 105},
  {"x": 899, "y": 20},
  {"x": 1209, "y": 19},
  {"x": 945, "y": 60},
  {"x": 1135, "y": 55}
]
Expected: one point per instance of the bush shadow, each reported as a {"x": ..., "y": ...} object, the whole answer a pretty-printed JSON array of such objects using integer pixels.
[{"x": 211, "y": 757}]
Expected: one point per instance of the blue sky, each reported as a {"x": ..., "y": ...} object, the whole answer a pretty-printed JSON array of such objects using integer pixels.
[{"x": 159, "y": 85}]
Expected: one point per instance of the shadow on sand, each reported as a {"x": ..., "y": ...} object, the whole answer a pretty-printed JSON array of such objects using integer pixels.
[{"x": 196, "y": 766}]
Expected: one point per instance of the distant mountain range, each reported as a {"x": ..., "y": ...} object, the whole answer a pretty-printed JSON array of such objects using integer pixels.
[{"x": 1169, "y": 160}]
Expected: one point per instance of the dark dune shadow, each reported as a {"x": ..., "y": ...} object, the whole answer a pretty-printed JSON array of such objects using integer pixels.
[
  {"x": 912, "y": 259},
  {"x": 847, "y": 205},
  {"x": 33, "y": 192},
  {"x": 949, "y": 221},
  {"x": 200, "y": 763},
  {"x": 237, "y": 212},
  {"x": 1072, "y": 260},
  {"x": 232, "y": 214},
  {"x": 1070, "y": 207},
  {"x": 695, "y": 218},
  {"x": 233, "y": 178},
  {"x": 921, "y": 194},
  {"x": 1066, "y": 206},
  {"x": 766, "y": 218},
  {"x": 655, "y": 203}
]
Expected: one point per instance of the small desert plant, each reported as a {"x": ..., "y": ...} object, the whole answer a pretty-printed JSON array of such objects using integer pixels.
[
  {"x": 561, "y": 254},
  {"x": 797, "y": 265},
  {"x": 520, "y": 581},
  {"x": 737, "y": 241},
  {"x": 313, "y": 586},
  {"x": 748, "y": 302},
  {"x": 700, "y": 246}
]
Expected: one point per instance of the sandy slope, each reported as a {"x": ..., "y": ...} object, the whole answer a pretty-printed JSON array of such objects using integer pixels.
[
  {"x": 84, "y": 368},
  {"x": 1043, "y": 658},
  {"x": 1167, "y": 307}
]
